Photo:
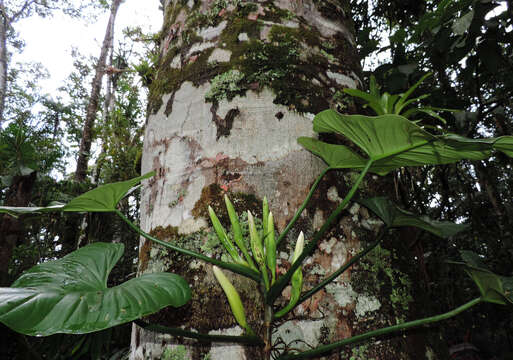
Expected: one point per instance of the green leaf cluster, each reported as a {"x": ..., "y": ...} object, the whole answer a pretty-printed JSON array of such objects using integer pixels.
[
  {"x": 70, "y": 295},
  {"x": 393, "y": 141},
  {"x": 101, "y": 199}
]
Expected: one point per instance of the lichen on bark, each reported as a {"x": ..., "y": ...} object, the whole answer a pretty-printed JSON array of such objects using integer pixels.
[{"x": 282, "y": 51}]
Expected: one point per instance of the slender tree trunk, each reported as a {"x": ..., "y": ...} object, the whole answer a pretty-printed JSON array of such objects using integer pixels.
[
  {"x": 4, "y": 25},
  {"x": 108, "y": 108},
  {"x": 234, "y": 89},
  {"x": 92, "y": 107},
  {"x": 11, "y": 229}
]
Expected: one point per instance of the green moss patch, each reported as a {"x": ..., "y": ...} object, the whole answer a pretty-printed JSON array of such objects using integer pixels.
[
  {"x": 287, "y": 61},
  {"x": 213, "y": 196}
]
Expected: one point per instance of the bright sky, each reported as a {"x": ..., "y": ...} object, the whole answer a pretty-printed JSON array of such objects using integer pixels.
[{"x": 49, "y": 41}]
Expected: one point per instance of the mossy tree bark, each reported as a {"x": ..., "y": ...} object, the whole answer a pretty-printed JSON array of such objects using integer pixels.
[{"x": 237, "y": 82}]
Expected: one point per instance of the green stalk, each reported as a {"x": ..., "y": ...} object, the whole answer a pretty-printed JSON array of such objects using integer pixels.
[
  {"x": 265, "y": 277},
  {"x": 233, "y": 299},
  {"x": 280, "y": 284},
  {"x": 296, "y": 281},
  {"x": 257, "y": 248},
  {"x": 224, "y": 239},
  {"x": 340, "y": 271},
  {"x": 237, "y": 232},
  {"x": 407, "y": 325},
  {"x": 268, "y": 323},
  {"x": 265, "y": 215},
  {"x": 303, "y": 206},
  {"x": 236, "y": 268},
  {"x": 270, "y": 247},
  {"x": 250, "y": 340}
]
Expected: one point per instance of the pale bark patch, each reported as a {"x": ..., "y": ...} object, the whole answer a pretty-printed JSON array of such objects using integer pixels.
[
  {"x": 307, "y": 10},
  {"x": 258, "y": 143},
  {"x": 223, "y": 351},
  {"x": 300, "y": 334}
]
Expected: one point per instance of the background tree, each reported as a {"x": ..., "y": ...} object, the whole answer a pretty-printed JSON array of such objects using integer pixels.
[
  {"x": 11, "y": 11},
  {"x": 40, "y": 135},
  {"x": 92, "y": 106}
]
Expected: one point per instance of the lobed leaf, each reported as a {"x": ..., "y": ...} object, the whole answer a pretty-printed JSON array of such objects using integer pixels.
[
  {"x": 101, "y": 199},
  {"x": 104, "y": 198},
  {"x": 392, "y": 141},
  {"x": 393, "y": 216},
  {"x": 494, "y": 288},
  {"x": 70, "y": 295},
  {"x": 461, "y": 25}
]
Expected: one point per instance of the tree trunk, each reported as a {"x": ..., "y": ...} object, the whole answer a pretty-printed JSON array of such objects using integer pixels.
[
  {"x": 92, "y": 106},
  {"x": 11, "y": 229},
  {"x": 4, "y": 25},
  {"x": 234, "y": 89},
  {"x": 108, "y": 108}
]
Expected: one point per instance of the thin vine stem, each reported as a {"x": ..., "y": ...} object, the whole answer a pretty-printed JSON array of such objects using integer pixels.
[
  {"x": 340, "y": 271},
  {"x": 280, "y": 284},
  {"x": 239, "y": 269},
  {"x": 268, "y": 327},
  {"x": 399, "y": 327},
  {"x": 303, "y": 206},
  {"x": 251, "y": 340}
]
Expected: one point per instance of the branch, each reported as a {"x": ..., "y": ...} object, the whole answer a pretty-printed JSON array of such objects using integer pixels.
[
  {"x": 250, "y": 340},
  {"x": 358, "y": 338},
  {"x": 15, "y": 16}
]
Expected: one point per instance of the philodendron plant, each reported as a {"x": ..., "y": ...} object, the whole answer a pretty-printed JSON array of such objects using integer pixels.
[
  {"x": 387, "y": 142},
  {"x": 70, "y": 295}
]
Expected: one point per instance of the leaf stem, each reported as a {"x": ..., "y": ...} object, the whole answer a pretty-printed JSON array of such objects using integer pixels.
[
  {"x": 268, "y": 325},
  {"x": 341, "y": 270},
  {"x": 236, "y": 268},
  {"x": 327, "y": 348},
  {"x": 303, "y": 206},
  {"x": 251, "y": 340},
  {"x": 280, "y": 284}
]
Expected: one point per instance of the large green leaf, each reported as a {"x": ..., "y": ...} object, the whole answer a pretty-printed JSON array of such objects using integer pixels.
[
  {"x": 494, "y": 288},
  {"x": 462, "y": 24},
  {"x": 392, "y": 141},
  {"x": 70, "y": 295},
  {"x": 15, "y": 211},
  {"x": 336, "y": 156},
  {"x": 505, "y": 144},
  {"x": 393, "y": 216},
  {"x": 102, "y": 199}
]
